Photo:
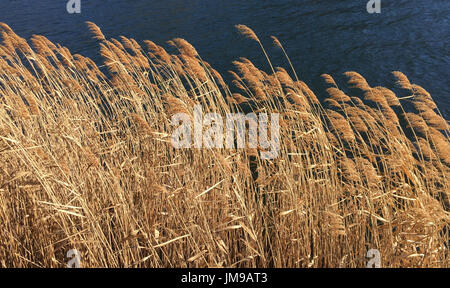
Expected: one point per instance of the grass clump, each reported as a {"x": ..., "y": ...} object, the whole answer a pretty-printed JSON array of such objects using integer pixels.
[{"x": 87, "y": 164}]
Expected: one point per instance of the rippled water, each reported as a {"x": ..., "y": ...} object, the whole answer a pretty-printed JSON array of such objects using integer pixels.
[{"x": 321, "y": 36}]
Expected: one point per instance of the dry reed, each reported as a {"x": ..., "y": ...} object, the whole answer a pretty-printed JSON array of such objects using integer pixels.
[{"x": 87, "y": 164}]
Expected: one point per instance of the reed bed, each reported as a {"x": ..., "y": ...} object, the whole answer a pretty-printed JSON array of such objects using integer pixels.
[{"x": 87, "y": 163}]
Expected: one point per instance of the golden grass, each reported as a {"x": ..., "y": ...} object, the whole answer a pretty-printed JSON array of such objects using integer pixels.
[{"x": 87, "y": 164}]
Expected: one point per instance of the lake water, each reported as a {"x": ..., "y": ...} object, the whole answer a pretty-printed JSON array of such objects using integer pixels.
[{"x": 320, "y": 36}]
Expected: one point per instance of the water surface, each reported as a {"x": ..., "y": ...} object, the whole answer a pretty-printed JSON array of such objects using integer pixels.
[{"x": 321, "y": 36}]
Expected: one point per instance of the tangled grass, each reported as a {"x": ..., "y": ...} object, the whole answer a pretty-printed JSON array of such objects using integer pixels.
[{"x": 87, "y": 164}]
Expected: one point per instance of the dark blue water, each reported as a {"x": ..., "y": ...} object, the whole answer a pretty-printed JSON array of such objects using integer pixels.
[{"x": 321, "y": 36}]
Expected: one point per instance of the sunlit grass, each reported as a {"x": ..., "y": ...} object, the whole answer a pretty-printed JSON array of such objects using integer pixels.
[{"x": 87, "y": 164}]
